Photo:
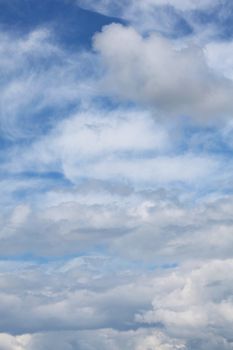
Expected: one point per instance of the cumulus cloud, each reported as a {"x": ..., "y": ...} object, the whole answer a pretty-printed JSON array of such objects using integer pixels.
[
  {"x": 151, "y": 70},
  {"x": 9, "y": 342},
  {"x": 195, "y": 304}
]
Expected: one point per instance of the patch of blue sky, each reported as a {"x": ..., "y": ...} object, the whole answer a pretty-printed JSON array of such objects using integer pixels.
[
  {"x": 43, "y": 121},
  {"x": 219, "y": 16},
  {"x": 111, "y": 103},
  {"x": 34, "y": 184},
  {"x": 180, "y": 26},
  {"x": 47, "y": 260},
  {"x": 74, "y": 27},
  {"x": 96, "y": 259},
  {"x": 52, "y": 175},
  {"x": 202, "y": 139}
]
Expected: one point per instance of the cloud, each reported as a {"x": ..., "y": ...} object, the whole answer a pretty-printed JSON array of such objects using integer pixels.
[
  {"x": 39, "y": 79},
  {"x": 114, "y": 7},
  {"x": 187, "y": 307},
  {"x": 219, "y": 57},
  {"x": 159, "y": 225},
  {"x": 152, "y": 71},
  {"x": 79, "y": 294},
  {"x": 173, "y": 231},
  {"x": 170, "y": 17},
  {"x": 106, "y": 339},
  {"x": 195, "y": 304},
  {"x": 114, "y": 146},
  {"x": 124, "y": 183},
  {"x": 9, "y": 342},
  {"x": 116, "y": 205}
]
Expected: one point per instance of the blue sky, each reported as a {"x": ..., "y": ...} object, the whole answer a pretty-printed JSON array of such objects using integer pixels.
[{"x": 116, "y": 174}]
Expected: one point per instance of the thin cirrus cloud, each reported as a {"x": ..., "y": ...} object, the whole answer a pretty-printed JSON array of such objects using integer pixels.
[
  {"x": 38, "y": 77},
  {"x": 171, "y": 17},
  {"x": 107, "y": 6}
]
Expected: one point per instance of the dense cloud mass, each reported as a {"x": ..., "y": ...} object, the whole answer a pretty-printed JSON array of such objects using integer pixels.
[
  {"x": 151, "y": 70},
  {"x": 185, "y": 307},
  {"x": 116, "y": 175}
]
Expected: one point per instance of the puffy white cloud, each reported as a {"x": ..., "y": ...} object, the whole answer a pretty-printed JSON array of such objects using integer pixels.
[
  {"x": 195, "y": 303},
  {"x": 152, "y": 70},
  {"x": 9, "y": 342}
]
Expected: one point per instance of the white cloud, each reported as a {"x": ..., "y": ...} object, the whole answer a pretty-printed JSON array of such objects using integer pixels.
[
  {"x": 176, "y": 231},
  {"x": 115, "y": 146},
  {"x": 158, "y": 225},
  {"x": 39, "y": 77},
  {"x": 219, "y": 57},
  {"x": 9, "y": 342},
  {"x": 194, "y": 304},
  {"x": 153, "y": 15},
  {"x": 97, "y": 132},
  {"x": 158, "y": 170},
  {"x": 126, "y": 9},
  {"x": 188, "y": 307},
  {"x": 135, "y": 185},
  {"x": 153, "y": 71},
  {"x": 106, "y": 339}
]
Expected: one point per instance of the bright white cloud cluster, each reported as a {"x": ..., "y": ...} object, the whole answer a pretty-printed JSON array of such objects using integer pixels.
[
  {"x": 152, "y": 70},
  {"x": 195, "y": 301}
]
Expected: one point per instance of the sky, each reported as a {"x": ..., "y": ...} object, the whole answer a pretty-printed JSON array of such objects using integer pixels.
[{"x": 116, "y": 171}]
